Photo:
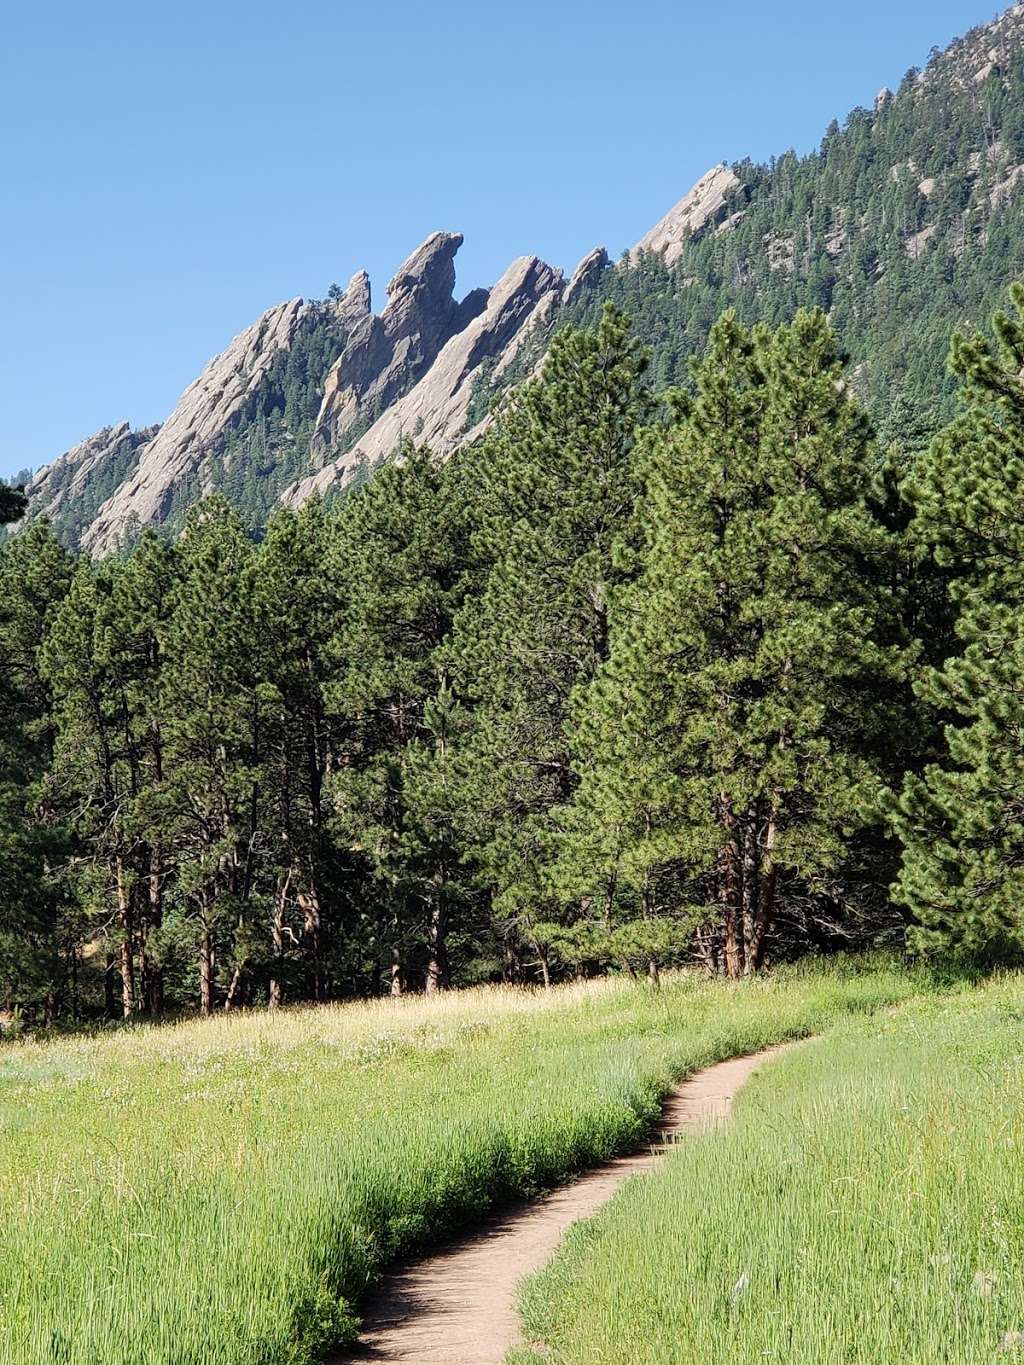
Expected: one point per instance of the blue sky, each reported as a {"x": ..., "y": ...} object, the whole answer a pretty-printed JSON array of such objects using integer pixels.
[{"x": 169, "y": 171}]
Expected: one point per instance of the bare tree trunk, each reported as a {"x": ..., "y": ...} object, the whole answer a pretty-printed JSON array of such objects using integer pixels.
[
  {"x": 542, "y": 961},
  {"x": 751, "y": 859},
  {"x": 234, "y": 994},
  {"x": 124, "y": 910},
  {"x": 277, "y": 926},
  {"x": 512, "y": 968},
  {"x": 309, "y": 904},
  {"x": 729, "y": 892},
  {"x": 708, "y": 951},
  {"x": 766, "y": 907},
  {"x": 396, "y": 973},
  {"x": 437, "y": 962},
  {"x": 109, "y": 993},
  {"x": 152, "y": 971},
  {"x": 206, "y": 966}
]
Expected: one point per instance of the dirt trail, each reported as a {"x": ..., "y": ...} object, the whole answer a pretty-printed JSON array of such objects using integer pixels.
[{"x": 458, "y": 1306}]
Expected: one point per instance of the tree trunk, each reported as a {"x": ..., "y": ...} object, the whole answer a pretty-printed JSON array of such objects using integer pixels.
[
  {"x": 708, "y": 949},
  {"x": 396, "y": 973},
  {"x": 751, "y": 856},
  {"x": 234, "y": 995},
  {"x": 109, "y": 992},
  {"x": 512, "y": 969},
  {"x": 206, "y": 969},
  {"x": 437, "y": 962},
  {"x": 729, "y": 890},
  {"x": 277, "y": 926},
  {"x": 76, "y": 1003},
  {"x": 766, "y": 907},
  {"x": 152, "y": 971},
  {"x": 545, "y": 970},
  {"x": 309, "y": 904},
  {"x": 124, "y": 910}
]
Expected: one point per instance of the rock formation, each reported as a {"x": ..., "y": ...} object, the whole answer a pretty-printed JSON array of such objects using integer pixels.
[
  {"x": 435, "y": 411},
  {"x": 705, "y": 205},
  {"x": 201, "y": 417},
  {"x": 386, "y": 355},
  {"x": 67, "y": 480},
  {"x": 411, "y": 371}
]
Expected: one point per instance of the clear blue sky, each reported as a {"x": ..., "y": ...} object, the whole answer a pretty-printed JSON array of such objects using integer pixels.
[{"x": 168, "y": 171}]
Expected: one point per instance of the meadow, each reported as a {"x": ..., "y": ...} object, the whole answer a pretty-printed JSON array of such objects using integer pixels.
[
  {"x": 221, "y": 1192},
  {"x": 863, "y": 1205}
]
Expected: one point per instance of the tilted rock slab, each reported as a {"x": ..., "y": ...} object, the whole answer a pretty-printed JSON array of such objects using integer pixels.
[
  {"x": 435, "y": 411},
  {"x": 386, "y": 355},
  {"x": 65, "y": 480},
  {"x": 203, "y": 414},
  {"x": 705, "y": 205}
]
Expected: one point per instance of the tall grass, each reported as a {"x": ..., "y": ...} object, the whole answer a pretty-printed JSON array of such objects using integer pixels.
[
  {"x": 865, "y": 1204},
  {"x": 221, "y": 1192}
]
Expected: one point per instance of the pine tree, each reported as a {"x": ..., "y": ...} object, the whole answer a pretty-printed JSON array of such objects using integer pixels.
[
  {"x": 397, "y": 557},
  {"x": 12, "y": 503},
  {"x": 102, "y": 658},
  {"x": 962, "y": 821},
  {"x": 39, "y": 951},
  {"x": 732, "y": 740},
  {"x": 215, "y": 714},
  {"x": 296, "y": 608},
  {"x": 556, "y": 483}
]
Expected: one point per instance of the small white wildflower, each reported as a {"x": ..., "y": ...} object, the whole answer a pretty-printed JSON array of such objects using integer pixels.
[{"x": 740, "y": 1287}]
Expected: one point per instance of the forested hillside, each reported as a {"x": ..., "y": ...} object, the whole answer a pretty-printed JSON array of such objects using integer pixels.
[
  {"x": 906, "y": 223},
  {"x": 725, "y": 674},
  {"x": 626, "y": 684}
]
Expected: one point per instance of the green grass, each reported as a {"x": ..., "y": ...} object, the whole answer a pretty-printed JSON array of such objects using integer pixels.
[
  {"x": 864, "y": 1204},
  {"x": 221, "y": 1192}
]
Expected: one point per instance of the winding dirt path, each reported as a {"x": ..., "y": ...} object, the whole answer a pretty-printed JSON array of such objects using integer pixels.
[{"x": 458, "y": 1306}]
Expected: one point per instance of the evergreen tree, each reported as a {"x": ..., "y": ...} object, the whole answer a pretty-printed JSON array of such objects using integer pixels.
[
  {"x": 962, "y": 821},
  {"x": 12, "y": 503},
  {"x": 102, "y": 658},
  {"x": 215, "y": 708},
  {"x": 732, "y": 742},
  {"x": 296, "y": 609},
  {"x": 397, "y": 556},
  {"x": 39, "y": 948},
  {"x": 557, "y": 482}
]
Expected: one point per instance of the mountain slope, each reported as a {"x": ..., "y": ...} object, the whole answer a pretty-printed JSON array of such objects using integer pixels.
[{"x": 906, "y": 222}]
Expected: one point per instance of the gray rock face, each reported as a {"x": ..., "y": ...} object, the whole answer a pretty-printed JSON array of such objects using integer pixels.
[
  {"x": 435, "y": 411},
  {"x": 183, "y": 442},
  {"x": 586, "y": 274},
  {"x": 386, "y": 355},
  {"x": 66, "y": 480},
  {"x": 705, "y": 205},
  {"x": 410, "y": 372}
]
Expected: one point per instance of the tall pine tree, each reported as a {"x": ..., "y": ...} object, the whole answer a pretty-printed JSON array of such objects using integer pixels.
[
  {"x": 731, "y": 745},
  {"x": 557, "y": 482},
  {"x": 962, "y": 821}
]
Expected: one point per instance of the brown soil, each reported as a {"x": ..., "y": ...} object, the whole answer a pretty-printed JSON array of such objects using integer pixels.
[{"x": 458, "y": 1306}]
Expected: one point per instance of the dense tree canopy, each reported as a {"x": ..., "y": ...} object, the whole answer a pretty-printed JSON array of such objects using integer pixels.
[{"x": 630, "y": 683}]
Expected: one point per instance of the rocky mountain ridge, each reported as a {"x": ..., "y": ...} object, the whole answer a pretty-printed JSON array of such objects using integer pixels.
[{"x": 314, "y": 394}]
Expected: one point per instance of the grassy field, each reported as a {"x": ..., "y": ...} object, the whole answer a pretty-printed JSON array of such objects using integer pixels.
[
  {"x": 219, "y": 1192},
  {"x": 865, "y": 1204}
]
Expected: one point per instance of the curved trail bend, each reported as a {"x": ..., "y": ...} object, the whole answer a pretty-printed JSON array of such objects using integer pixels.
[{"x": 458, "y": 1306}]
